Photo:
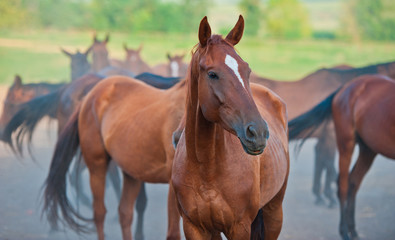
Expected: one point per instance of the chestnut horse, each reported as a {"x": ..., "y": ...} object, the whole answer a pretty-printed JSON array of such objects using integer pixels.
[
  {"x": 174, "y": 68},
  {"x": 220, "y": 182},
  {"x": 125, "y": 121},
  {"x": 133, "y": 61},
  {"x": 303, "y": 94},
  {"x": 362, "y": 112}
]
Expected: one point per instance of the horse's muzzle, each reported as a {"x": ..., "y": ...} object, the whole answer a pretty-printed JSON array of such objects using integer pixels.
[{"x": 254, "y": 138}]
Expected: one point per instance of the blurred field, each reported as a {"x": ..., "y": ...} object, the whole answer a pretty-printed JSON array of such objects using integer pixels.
[{"x": 35, "y": 55}]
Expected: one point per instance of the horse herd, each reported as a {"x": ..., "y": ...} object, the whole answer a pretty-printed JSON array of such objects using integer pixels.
[{"x": 217, "y": 133}]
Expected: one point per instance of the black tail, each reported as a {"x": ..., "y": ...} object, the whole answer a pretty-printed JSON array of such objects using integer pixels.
[
  {"x": 257, "y": 227},
  {"x": 26, "y": 119},
  {"x": 55, "y": 197},
  {"x": 305, "y": 125}
]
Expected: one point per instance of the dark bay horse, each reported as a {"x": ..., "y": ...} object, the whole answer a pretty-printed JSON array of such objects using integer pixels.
[
  {"x": 133, "y": 61},
  {"x": 79, "y": 64},
  {"x": 363, "y": 113},
  {"x": 174, "y": 68},
  {"x": 125, "y": 121},
  {"x": 227, "y": 171},
  {"x": 303, "y": 94},
  {"x": 20, "y": 93}
]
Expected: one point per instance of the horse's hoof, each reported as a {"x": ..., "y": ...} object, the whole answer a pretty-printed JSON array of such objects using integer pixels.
[
  {"x": 319, "y": 202},
  {"x": 332, "y": 204},
  {"x": 139, "y": 237}
]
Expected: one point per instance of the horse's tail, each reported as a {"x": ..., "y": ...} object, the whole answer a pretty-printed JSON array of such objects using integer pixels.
[
  {"x": 55, "y": 197},
  {"x": 257, "y": 227},
  {"x": 26, "y": 119},
  {"x": 305, "y": 125}
]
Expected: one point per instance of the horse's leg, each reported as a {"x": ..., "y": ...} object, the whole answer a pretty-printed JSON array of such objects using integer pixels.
[
  {"x": 361, "y": 167},
  {"x": 173, "y": 229},
  {"x": 328, "y": 158},
  {"x": 75, "y": 181},
  {"x": 115, "y": 178},
  {"x": 192, "y": 232},
  {"x": 273, "y": 215},
  {"x": 346, "y": 147},
  {"x": 130, "y": 190},
  {"x": 97, "y": 169},
  {"x": 318, "y": 169},
  {"x": 141, "y": 205}
]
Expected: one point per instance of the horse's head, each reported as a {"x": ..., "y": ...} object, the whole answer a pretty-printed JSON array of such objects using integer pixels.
[
  {"x": 175, "y": 63},
  {"x": 78, "y": 62},
  {"x": 387, "y": 69},
  {"x": 224, "y": 93},
  {"x": 100, "y": 53},
  {"x": 133, "y": 55},
  {"x": 17, "y": 94}
]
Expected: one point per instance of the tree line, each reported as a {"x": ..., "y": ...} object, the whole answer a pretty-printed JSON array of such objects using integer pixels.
[{"x": 285, "y": 19}]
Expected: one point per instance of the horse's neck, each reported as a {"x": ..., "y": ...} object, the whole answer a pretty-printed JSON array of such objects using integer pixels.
[{"x": 99, "y": 64}]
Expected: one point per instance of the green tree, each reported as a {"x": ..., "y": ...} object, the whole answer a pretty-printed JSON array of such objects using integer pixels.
[
  {"x": 373, "y": 20},
  {"x": 287, "y": 19},
  {"x": 12, "y": 14},
  {"x": 253, "y": 14}
]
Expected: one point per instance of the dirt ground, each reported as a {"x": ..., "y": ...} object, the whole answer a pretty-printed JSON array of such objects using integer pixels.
[{"x": 21, "y": 181}]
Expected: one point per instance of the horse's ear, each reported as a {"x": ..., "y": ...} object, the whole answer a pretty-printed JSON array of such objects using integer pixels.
[
  {"x": 236, "y": 33},
  {"x": 125, "y": 47},
  {"x": 88, "y": 51},
  {"x": 168, "y": 56},
  {"x": 17, "y": 81},
  {"x": 204, "y": 32},
  {"x": 95, "y": 38},
  {"x": 66, "y": 52},
  {"x": 107, "y": 38}
]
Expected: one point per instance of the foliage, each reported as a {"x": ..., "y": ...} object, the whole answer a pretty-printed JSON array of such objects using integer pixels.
[
  {"x": 252, "y": 13},
  {"x": 12, "y": 14},
  {"x": 287, "y": 19},
  {"x": 373, "y": 20}
]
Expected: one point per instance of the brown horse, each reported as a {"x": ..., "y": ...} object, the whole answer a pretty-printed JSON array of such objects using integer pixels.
[
  {"x": 20, "y": 93},
  {"x": 303, "y": 94},
  {"x": 174, "y": 68},
  {"x": 362, "y": 112},
  {"x": 220, "y": 183},
  {"x": 114, "y": 107},
  {"x": 133, "y": 61}
]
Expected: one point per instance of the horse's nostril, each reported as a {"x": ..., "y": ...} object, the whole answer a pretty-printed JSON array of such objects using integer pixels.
[{"x": 251, "y": 131}]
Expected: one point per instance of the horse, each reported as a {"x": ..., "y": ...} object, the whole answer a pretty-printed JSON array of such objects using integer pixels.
[
  {"x": 19, "y": 93},
  {"x": 303, "y": 94},
  {"x": 228, "y": 175},
  {"x": 133, "y": 61},
  {"x": 362, "y": 113},
  {"x": 174, "y": 68},
  {"x": 78, "y": 63},
  {"x": 116, "y": 106}
]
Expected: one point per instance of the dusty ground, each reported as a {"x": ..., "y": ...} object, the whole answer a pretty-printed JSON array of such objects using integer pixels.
[{"x": 20, "y": 199}]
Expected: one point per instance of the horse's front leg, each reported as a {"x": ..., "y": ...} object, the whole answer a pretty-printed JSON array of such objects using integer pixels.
[{"x": 173, "y": 229}]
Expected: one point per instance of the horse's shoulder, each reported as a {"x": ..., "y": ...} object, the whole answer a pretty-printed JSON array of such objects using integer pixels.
[{"x": 267, "y": 97}]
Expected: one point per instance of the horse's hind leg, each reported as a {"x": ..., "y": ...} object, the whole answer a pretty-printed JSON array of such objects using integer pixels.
[
  {"x": 130, "y": 190},
  {"x": 361, "y": 167},
  {"x": 141, "y": 205},
  {"x": 76, "y": 182}
]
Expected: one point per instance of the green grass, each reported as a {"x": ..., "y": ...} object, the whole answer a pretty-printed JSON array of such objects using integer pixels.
[{"x": 36, "y": 57}]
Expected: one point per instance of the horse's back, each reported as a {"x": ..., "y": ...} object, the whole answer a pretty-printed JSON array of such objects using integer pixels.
[{"x": 365, "y": 105}]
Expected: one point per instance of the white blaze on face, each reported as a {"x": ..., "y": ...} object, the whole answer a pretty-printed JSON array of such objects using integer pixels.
[
  {"x": 174, "y": 69},
  {"x": 232, "y": 64}
]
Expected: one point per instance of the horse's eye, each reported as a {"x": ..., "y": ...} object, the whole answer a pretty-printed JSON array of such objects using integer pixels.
[{"x": 212, "y": 75}]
